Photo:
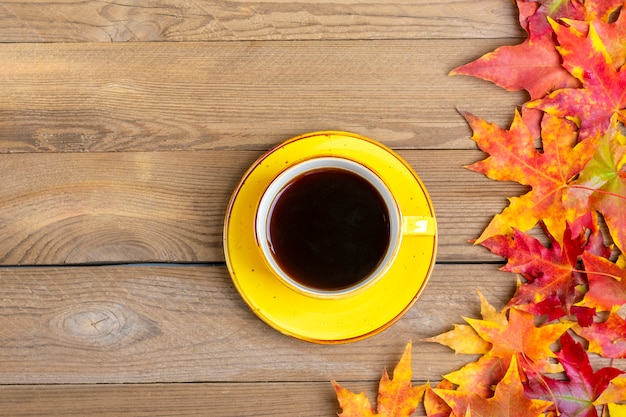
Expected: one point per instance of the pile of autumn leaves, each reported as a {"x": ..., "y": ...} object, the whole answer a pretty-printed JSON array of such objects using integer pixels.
[{"x": 567, "y": 144}]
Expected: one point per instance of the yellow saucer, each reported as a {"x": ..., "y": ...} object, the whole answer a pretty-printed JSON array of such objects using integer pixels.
[{"x": 336, "y": 320}]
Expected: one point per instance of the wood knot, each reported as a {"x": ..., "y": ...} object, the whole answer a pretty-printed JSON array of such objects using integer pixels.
[{"x": 102, "y": 325}]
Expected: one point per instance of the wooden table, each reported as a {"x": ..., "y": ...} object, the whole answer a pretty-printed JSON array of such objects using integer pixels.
[{"x": 124, "y": 129}]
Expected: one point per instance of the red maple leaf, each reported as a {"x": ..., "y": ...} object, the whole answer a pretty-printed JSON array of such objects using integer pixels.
[
  {"x": 533, "y": 65},
  {"x": 603, "y": 92},
  {"x": 607, "y": 283},
  {"x": 607, "y": 338},
  {"x": 554, "y": 281},
  {"x": 574, "y": 397}
]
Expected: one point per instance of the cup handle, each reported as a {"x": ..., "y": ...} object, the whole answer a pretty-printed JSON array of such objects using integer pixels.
[{"x": 418, "y": 226}]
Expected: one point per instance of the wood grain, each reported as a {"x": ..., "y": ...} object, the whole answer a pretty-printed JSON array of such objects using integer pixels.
[
  {"x": 304, "y": 399},
  {"x": 148, "y": 324},
  {"x": 124, "y": 324},
  {"x": 243, "y": 95},
  {"x": 170, "y": 20},
  {"x": 125, "y": 127},
  {"x": 280, "y": 399},
  {"x": 77, "y": 208}
]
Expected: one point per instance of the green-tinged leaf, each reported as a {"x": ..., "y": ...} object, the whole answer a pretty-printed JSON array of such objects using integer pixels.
[{"x": 603, "y": 184}]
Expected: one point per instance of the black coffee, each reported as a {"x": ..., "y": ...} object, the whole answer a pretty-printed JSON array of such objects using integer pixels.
[{"x": 329, "y": 229}]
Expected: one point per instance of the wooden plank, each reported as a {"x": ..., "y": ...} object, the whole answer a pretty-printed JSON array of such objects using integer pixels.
[
  {"x": 154, "y": 324},
  {"x": 241, "y": 95},
  {"x": 316, "y": 399},
  {"x": 76, "y": 208},
  {"x": 169, "y": 20},
  {"x": 188, "y": 324},
  {"x": 288, "y": 399}
]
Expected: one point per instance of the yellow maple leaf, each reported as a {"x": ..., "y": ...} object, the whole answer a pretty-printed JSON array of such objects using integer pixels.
[
  {"x": 397, "y": 397},
  {"x": 614, "y": 393},
  {"x": 617, "y": 410},
  {"x": 464, "y": 339}
]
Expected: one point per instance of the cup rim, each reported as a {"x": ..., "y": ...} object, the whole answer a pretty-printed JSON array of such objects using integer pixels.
[{"x": 280, "y": 181}]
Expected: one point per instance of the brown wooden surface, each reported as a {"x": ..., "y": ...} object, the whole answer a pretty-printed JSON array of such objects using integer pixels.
[{"x": 124, "y": 128}]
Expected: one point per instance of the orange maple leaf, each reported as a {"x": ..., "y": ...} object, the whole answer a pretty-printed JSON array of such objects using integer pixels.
[
  {"x": 434, "y": 405},
  {"x": 478, "y": 377},
  {"x": 516, "y": 336},
  {"x": 508, "y": 401},
  {"x": 396, "y": 397},
  {"x": 520, "y": 337},
  {"x": 513, "y": 157}
]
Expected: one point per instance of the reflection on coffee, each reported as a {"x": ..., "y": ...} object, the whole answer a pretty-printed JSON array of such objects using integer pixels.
[{"x": 329, "y": 229}]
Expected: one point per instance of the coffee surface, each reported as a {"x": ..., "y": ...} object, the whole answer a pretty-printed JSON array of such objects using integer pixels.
[{"x": 329, "y": 229}]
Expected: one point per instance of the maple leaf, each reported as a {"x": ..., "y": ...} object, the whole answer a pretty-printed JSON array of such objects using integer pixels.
[
  {"x": 617, "y": 410},
  {"x": 396, "y": 397},
  {"x": 603, "y": 92},
  {"x": 603, "y": 184},
  {"x": 547, "y": 10},
  {"x": 513, "y": 157},
  {"x": 533, "y": 65},
  {"x": 607, "y": 338},
  {"x": 607, "y": 283},
  {"x": 553, "y": 281},
  {"x": 434, "y": 405},
  {"x": 601, "y": 10},
  {"x": 614, "y": 393},
  {"x": 463, "y": 338},
  {"x": 520, "y": 336},
  {"x": 508, "y": 401},
  {"x": 516, "y": 335},
  {"x": 479, "y": 376},
  {"x": 612, "y": 34},
  {"x": 576, "y": 396}
]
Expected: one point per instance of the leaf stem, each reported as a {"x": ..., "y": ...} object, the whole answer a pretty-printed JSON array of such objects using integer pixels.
[
  {"x": 604, "y": 274},
  {"x": 542, "y": 381}
]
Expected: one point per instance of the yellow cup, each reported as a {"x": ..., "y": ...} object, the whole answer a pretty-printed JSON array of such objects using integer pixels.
[{"x": 345, "y": 246}]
